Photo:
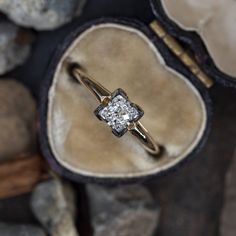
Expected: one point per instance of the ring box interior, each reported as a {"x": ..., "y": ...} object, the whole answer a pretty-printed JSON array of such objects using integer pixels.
[{"x": 172, "y": 90}]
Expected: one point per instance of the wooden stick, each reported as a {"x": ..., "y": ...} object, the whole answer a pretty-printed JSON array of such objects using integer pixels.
[{"x": 21, "y": 174}]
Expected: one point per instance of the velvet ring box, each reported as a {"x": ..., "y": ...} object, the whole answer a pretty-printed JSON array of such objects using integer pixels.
[{"x": 155, "y": 71}]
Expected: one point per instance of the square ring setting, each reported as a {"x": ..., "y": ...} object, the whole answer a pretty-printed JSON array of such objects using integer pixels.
[{"x": 119, "y": 112}]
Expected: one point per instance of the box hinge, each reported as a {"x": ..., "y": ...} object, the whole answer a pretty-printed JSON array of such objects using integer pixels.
[{"x": 179, "y": 51}]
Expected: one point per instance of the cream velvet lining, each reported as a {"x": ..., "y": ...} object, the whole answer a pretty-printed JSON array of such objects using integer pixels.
[
  {"x": 215, "y": 21},
  {"x": 121, "y": 57}
]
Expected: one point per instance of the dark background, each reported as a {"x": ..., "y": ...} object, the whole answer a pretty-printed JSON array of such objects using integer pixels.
[{"x": 191, "y": 198}]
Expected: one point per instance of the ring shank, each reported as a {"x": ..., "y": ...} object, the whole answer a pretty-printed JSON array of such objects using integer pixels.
[
  {"x": 94, "y": 87},
  {"x": 103, "y": 95},
  {"x": 149, "y": 144}
]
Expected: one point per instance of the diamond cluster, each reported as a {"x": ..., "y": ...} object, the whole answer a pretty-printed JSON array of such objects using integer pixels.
[{"x": 119, "y": 112}]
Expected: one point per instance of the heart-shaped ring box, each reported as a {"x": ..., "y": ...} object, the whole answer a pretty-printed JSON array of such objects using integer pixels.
[{"x": 163, "y": 67}]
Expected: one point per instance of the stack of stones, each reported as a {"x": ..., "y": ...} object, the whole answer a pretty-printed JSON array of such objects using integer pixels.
[{"x": 52, "y": 201}]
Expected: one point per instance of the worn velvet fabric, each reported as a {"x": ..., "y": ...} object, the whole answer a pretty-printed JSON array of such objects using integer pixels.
[{"x": 120, "y": 56}]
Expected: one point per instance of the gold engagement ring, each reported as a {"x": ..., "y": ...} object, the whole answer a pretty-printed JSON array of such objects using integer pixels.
[{"x": 116, "y": 110}]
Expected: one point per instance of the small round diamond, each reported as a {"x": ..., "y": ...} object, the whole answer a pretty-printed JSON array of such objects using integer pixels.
[{"x": 133, "y": 113}]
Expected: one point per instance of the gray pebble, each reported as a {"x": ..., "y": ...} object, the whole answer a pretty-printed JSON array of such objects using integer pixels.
[
  {"x": 41, "y": 14},
  {"x": 12, "y": 51},
  {"x": 14, "y": 137},
  {"x": 53, "y": 204},
  {"x": 20, "y": 230},
  {"x": 16, "y": 100},
  {"x": 17, "y": 120},
  {"x": 122, "y": 211}
]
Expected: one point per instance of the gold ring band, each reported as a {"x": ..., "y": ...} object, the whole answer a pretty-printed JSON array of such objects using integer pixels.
[{"x": 116, "y": 110}]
